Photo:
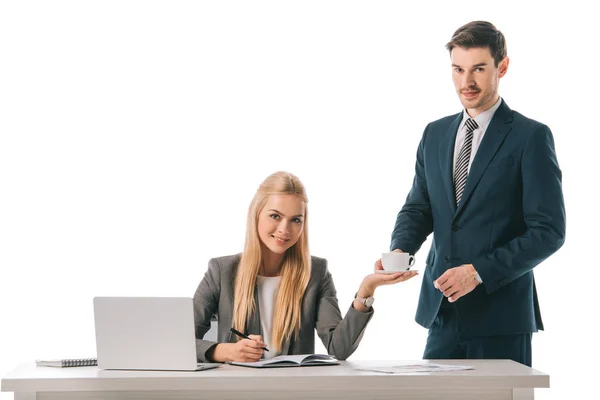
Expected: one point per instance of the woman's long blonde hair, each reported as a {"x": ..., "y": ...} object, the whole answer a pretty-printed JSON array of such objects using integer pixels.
[{"x": 295, "y": 270}]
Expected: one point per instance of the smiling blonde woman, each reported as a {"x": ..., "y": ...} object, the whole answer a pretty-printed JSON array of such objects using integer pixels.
[{"x": 275, "y": 291}]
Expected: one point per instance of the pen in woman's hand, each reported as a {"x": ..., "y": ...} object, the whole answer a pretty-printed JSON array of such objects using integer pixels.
[{"x": 240, "y": 334}]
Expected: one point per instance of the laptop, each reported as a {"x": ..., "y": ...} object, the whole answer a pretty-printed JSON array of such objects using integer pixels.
[{"x": 146, "y": 333}]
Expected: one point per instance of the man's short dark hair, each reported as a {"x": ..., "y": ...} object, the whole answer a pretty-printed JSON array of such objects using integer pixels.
[{"x": 480, "y": 34}]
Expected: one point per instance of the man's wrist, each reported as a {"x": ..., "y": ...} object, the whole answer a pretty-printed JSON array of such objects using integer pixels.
[{"x": 475, "y": 274}]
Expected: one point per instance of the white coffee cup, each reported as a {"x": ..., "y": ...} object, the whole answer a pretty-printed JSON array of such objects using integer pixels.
[{"x": 396, "y": 261}]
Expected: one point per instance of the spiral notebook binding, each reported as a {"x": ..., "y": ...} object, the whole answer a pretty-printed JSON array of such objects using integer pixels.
[
  {"x": 68, "y": 362},
  {"x": 79, "y": 362}
]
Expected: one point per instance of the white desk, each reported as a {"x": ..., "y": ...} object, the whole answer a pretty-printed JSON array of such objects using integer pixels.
[{"x": 490, "y": 380}]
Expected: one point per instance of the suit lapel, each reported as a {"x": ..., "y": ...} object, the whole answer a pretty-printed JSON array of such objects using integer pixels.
[
  {"x": 447, "y": 159},
  {"x": 493, "y": 138}
]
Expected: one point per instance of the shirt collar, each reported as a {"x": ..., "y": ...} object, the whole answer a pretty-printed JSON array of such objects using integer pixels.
[{"x": 483, "y": 119}]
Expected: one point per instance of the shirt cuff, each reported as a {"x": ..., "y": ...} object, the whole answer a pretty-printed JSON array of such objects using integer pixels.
[{"x": 478, "y": 278}]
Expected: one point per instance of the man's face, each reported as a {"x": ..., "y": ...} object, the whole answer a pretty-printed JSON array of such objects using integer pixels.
[{"x": 476, "y": 78}]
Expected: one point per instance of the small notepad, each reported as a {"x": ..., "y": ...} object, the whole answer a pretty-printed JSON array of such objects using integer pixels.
[
  {"x": 300, "y": 360},
  {"x": 68, "y": 362}
]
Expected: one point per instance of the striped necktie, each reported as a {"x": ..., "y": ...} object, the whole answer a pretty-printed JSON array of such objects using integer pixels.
[{"x": 462, "y": 164}]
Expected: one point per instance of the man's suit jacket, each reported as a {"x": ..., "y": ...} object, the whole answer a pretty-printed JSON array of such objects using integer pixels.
[
  {"x": 320, "y": 311},
  {"x": 511, "y": 217}
]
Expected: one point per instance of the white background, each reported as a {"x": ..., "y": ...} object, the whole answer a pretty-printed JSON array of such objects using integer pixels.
[{"x": 134, "y": 134}]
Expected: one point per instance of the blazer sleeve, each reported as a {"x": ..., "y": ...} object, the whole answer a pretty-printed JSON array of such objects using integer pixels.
[
  {"x": 415, "y": 220},
  {"x": 340, "y": 336},
  {"x": 543, "y": 212},
  {"x": 206, "y": 304}
]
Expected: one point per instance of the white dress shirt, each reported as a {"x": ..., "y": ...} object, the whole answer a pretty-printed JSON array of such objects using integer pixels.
[{"x": 483, "y": 121}]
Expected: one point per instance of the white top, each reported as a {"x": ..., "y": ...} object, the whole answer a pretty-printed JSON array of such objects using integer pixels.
[
  {"x": 267, "y": 294},
  {"x": 483, "y": 121}
]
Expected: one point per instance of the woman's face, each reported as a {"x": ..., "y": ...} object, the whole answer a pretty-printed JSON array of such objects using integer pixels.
[{"x": 281, "y": 222}]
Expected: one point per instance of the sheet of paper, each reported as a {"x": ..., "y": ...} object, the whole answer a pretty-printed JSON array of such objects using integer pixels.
[{"x": 416, "y": 367}]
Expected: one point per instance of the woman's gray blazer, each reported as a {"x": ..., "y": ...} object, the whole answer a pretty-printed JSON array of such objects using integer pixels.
[{"x": 320, "y": 311}]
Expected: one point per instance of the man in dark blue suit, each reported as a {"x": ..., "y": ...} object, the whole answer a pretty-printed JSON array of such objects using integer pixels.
[{"x": 488, "y": 185}]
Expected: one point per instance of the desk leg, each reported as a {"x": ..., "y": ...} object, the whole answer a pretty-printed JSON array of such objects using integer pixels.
[
  {"x": 523, "y": 394},
  {"x": 25, "y": 396}
]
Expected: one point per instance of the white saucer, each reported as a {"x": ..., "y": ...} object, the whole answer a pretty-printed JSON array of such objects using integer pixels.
[{"x": 380, "y": 271}]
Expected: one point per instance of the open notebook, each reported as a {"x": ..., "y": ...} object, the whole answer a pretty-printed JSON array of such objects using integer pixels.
[{"x": 300, "y": 360}]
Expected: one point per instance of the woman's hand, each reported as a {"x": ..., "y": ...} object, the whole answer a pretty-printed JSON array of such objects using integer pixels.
[
  {"x": 245, "y": 350},
  {"x": 374, "y": 280}
]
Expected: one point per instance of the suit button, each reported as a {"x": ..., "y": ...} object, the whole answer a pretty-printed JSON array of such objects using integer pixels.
[
  {"x": 454, "y": 228},
  {"x": 447, "y": 259}
]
